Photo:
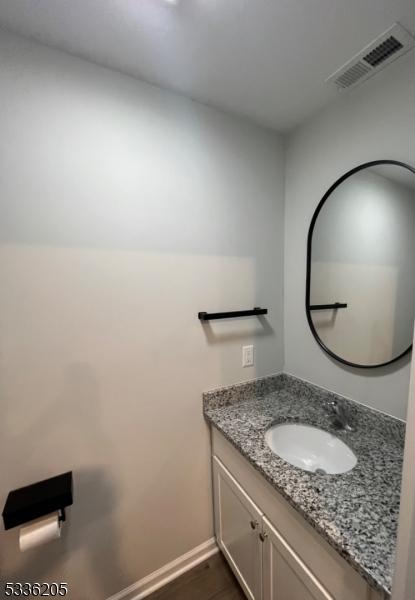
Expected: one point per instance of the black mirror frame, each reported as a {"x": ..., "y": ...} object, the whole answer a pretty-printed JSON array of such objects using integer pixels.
[{"x": 309, "y": 250}]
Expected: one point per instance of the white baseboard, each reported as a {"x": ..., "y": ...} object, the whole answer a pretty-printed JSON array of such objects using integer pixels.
[{"x": 154, "y": 581}]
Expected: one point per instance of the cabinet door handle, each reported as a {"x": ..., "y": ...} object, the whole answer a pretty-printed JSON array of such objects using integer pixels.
[
  {"x": 263, "y": 536},
  {"x": 253, "y": 524}
]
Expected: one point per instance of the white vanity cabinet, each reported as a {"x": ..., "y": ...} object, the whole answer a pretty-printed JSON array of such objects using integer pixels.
[
  {"x": 274, "y": 553},
  {"x": 262, "y": 561}
]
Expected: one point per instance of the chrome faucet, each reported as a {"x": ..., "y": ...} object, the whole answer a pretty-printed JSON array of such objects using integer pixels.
[{"x": 340, "y": 415}]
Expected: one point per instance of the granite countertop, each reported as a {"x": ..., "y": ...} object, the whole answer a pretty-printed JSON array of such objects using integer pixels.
[{"x": 356, "y": 512}]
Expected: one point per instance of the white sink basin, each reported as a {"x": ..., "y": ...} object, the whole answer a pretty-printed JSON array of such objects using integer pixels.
[{"x": 310, "y": 448}]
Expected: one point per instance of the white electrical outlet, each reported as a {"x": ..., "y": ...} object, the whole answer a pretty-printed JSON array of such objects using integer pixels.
[{"x": 247, "y": 356}]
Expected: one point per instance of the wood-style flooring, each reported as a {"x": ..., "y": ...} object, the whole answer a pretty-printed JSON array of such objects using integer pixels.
[{"x": 211, "y": 580}]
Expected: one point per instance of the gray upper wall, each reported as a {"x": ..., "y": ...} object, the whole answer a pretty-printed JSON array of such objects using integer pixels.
[
  {"x": 125, "y": 210},
  {"x": 368, "y": 219},
  {"x": 375, "y": 121}
]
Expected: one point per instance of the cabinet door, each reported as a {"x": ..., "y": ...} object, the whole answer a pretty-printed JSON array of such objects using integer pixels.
[
  {"x": 285, "y": 576},
  {"x": 237, "y": 527}
]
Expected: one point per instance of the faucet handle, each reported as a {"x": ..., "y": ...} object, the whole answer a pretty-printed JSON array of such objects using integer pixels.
[{"x": 339, "y": 413}]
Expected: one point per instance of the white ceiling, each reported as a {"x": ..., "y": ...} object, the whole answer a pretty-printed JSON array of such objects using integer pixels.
[{"x": 264, "y": 59}]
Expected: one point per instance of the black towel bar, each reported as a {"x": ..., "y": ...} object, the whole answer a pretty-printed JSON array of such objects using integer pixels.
[
  {"x": 336, "y": 305},
  {"x": 204, "y": 316}
]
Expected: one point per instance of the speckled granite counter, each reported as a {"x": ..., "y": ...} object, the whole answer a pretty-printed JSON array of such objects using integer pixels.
[{"x": 356, "y": 512}]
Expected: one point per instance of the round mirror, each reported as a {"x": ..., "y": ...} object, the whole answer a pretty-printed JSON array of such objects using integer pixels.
[{"x": 360, "y": 293}]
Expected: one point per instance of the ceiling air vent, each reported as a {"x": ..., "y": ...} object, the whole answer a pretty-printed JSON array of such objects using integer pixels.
[{"x": 389, "y": 46}]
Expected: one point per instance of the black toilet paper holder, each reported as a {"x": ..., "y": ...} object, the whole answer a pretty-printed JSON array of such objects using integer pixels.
[
  {"x": 61, "y": 515},
  {"x": 38, "y": 500}
]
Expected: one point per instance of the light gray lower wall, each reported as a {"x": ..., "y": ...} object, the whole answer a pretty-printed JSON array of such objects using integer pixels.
[
  {"x": 124, "y": 210},
  {"x": 375, "y": 121}
]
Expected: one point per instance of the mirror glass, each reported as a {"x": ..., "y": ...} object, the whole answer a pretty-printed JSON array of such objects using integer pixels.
[{"x": 361, "y": 259}]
